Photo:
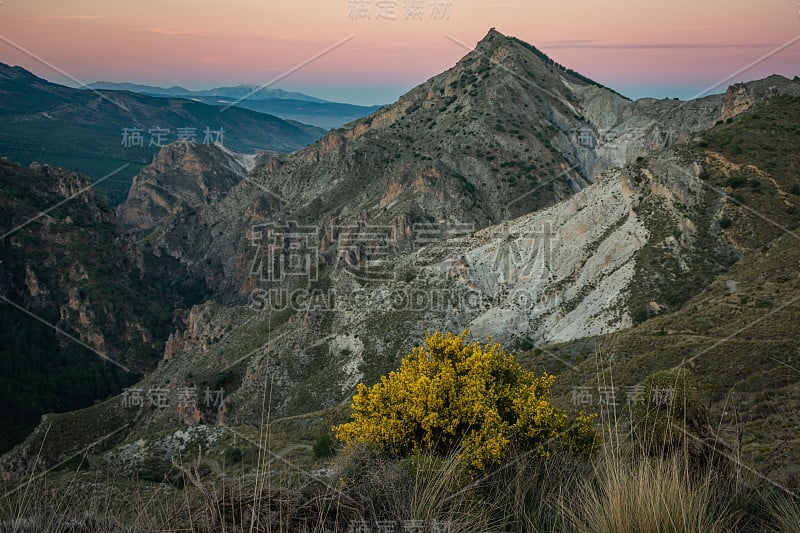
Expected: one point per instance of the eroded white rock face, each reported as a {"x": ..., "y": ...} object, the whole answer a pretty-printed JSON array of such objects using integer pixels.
[
  {"x": 555, "y": 275},
  {"x": 351, "y": 350}
]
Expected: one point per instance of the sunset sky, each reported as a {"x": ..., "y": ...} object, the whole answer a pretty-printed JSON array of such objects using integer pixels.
[{"x": 640, "y": 48}]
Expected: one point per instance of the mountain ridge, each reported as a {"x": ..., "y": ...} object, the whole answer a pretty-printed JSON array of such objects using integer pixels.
[
  {"x": 286, "y": 105},
  {"x": 237, "y": 91},
  {"x": 100, "y": 310},
  {"x": 617, "y": 216},
  {"x": 479, "y": 163},
  {"x": 181, "y": 176},
  {"x": 85, "y": 130}
]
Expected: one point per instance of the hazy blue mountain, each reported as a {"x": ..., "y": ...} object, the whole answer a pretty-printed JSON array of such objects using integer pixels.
[
  {"x": 324, "y": 115},
  {"x": 249, "y": 91},
  {"x": 85, "y": 130},
  {"x": 284, "y": 104}
]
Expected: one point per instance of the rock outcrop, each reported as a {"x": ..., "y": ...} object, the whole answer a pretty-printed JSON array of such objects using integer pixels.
[{"x": 182, "y": 176}]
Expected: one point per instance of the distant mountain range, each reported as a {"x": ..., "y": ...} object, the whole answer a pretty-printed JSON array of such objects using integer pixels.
[
  {"x": 249, "y": 91},
  {"x": 284, "y": 104},
  {"x": 96, "y": 131}
]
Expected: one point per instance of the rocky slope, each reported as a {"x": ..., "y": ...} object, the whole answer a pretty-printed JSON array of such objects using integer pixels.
[
  {"x": 486, "y": 141},
  {"x": 331, "y": 262},
  {"x": 83, "y": 311},
  {"x": 737, "y": 338},
  {"x": 182, "y": 176},
  {"x": 639, "y": 242}
]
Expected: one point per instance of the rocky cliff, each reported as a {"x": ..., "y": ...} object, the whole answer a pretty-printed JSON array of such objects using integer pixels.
[
  {"x": 84, "y": 311},
  {"x": 182, "y": 176}
]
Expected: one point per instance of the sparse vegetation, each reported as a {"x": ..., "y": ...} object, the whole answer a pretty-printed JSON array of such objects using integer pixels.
[
  {"x": 324, "y": 446},
  {"x": 616, "y": 491},
  {"x": 669, "y": 413}
]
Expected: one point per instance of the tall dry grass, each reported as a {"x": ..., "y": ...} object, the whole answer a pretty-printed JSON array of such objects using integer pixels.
[
  {"x": 620, "y": 492},
  {"x": 652, "y": 494}
]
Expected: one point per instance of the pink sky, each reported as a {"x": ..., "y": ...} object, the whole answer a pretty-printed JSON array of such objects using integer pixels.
[{"x": 674, "y": 48}]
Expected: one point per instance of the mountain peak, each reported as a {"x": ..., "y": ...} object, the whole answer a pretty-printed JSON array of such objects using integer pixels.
[
  {"x": 495, "y": 40},
  {"x": 493, "y": 35}
]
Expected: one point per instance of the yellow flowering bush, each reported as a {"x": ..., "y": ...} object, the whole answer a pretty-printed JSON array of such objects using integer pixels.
[{"x": 449, "y": 395}]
